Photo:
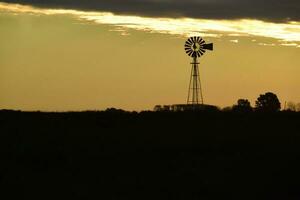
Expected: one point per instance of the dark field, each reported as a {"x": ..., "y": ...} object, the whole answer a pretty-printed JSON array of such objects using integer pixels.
[{"x": 150, "y": 155}]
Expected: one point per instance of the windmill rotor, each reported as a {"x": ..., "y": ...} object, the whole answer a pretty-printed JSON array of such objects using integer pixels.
[{"x": 195, "y": 47}]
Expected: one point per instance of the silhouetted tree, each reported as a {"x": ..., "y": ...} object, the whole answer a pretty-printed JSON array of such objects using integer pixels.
[
  {"x": 243, "y": 105},
  {"x": 157, "y": 108},
  {"x": 114, "y": 110},
  {"x": 267, "y": 102}
]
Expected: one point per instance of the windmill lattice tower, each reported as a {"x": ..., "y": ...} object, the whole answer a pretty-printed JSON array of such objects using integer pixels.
[{"x": 195, "y": 47}]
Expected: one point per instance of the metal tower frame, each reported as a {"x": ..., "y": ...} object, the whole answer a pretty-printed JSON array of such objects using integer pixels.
[{"x": 195, "y": 94}]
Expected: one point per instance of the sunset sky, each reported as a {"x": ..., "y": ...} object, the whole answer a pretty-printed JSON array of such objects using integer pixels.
[{"x": 61, "y": 55}]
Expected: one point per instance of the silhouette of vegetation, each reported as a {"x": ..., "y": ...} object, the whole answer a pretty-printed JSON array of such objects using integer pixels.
[
  {"x": 243, "y": 105},
  {"x": 115, "y": 154},
  {"x": 267, "y": 102},
  {"x": 291, "y": 106},
  {"x": 227, "y": 109}
]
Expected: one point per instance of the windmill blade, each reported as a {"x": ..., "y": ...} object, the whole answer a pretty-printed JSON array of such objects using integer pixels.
[
  {"x": 188, "y": 42},
  {"x": 187, "y": 50},
  {"x": 208, "y": 46},
  {"x": 190, "y": 52},
  {"x": 195, "y": 39},
  {"x": 202, "y": 51},
  {"x": 202, "y": 42},
  {"x": 199, "y": 54},
  {"x": 187, "y": 46}
]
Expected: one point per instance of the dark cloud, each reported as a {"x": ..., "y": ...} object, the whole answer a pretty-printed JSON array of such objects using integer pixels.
[{"x": 270, "y": 10}]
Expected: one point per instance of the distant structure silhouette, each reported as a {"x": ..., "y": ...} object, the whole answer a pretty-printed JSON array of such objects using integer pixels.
[{"x": 196, "y": 47}]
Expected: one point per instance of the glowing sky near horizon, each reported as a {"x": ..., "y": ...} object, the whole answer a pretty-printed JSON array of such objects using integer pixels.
[{"x": 60, "y": 59}]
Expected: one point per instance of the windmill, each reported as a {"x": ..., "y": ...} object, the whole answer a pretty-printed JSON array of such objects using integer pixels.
[{"x": 195, "y": 47}]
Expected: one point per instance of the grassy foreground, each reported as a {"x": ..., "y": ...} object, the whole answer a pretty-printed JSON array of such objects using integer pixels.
[{"x": 150, "y": 155}]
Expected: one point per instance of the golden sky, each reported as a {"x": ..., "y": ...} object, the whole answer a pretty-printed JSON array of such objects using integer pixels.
[{"x": 58, "y": 60}]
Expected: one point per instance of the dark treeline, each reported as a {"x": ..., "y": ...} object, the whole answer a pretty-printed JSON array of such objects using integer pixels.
[{"x": 115, "y": 154}]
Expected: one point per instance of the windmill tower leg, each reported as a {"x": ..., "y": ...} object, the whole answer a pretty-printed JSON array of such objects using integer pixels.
[{"x": 195, "y": 96}]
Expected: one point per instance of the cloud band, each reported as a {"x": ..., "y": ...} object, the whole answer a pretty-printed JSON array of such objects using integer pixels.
[{"x": 268, "y": 10}]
